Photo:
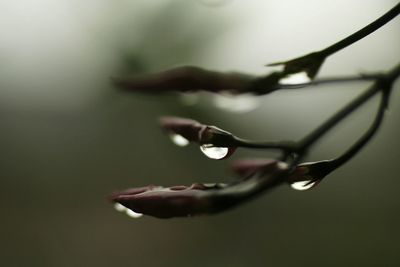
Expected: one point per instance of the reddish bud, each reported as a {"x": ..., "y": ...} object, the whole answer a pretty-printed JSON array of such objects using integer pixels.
[
  {"x": 184, "y": 79},
  {"x": 216, "y": 136},
  {"x": 214, "y": 142},
  {"x": 187, "y": 128},
  {"x": 198, "y": 199},
  {"x": 167, "y": 202}
]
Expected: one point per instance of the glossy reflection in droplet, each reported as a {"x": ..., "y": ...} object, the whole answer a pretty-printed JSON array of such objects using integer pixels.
[
  {"x": 133, "y": 214},
  {"x": 179, "y": 140},
  {"x": 119, "y": 207},
  {"x": 214, "y": 152},
  {"x": 296, "y": 78},
  {"x": 129, "y": 212},
  {"x": 303, "y": 185}
]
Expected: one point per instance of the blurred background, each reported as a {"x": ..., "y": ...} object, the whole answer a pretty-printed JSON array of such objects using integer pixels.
[{"x": 68, "y": 138}]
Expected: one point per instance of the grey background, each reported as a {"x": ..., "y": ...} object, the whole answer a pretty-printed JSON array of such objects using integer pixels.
[{"x": 68, "y": 139}]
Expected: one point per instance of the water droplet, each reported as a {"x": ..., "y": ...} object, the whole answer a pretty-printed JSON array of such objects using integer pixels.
[
  {"x": 239, "y": 104},
  {"x": 119, "y": 207},
  {"x": 296, "y": 78},
  {"x": 179, "y": 140},
  {"x": 282, "y": 165},
  {"x": 129, "y": 212},
  {"x": 215, "y": 185},
  {"x": 214, "y": 152},
  {"x": 303, "y": 185},
  {"x": 133, "y": 214}
]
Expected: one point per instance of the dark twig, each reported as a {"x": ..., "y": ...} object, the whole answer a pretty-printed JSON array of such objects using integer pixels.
[
  {"x": 360, "y": 34},
  {"x": 312, "y": 62},
  {"x": 333, "y": 80},
  {"x": 192, "y": 79},
  {"x": 286, "y": 146},
  {"x": 381, "y": 84},
  {"x": 366, "y": 137}
]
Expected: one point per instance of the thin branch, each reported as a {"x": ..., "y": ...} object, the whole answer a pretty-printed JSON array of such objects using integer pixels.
[
  {"x": 286, "y": 146},
  {"x": 316, "y": 171},
  {"x": 312, "y": 62},
  {"x": 333, "y": 80},
  {"x": 366, "y": 137},
  {"x": 204, "y": 134},
  {"x": 360, "y": 34},
  {"x": 383, "y": 83}
]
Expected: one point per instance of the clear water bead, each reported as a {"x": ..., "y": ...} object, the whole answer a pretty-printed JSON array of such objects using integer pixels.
[
  {"x": 179, "y": 140},
  {"x": 129, "y": 212},
  {"x": 214, "y": 152},
  {"x": 296, "y": 78},
  {"x": 303, "y": 185}
]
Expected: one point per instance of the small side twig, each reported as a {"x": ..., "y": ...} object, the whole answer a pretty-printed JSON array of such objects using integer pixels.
[
  {"x": 385, "y": 82},
  {"x": 360, "y": 34},
  {"x": 333, "y": 80}
]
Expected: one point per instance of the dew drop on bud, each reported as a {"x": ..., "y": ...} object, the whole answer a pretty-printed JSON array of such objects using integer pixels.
[
  {"x": 214, "y": 152},
  {"x": 296, "y": 78},
  {"x": 133, "y": 214},
  {"x": 303, "y": 185},
  {"x": 179, "y": 140},
  {"x": 119, "y": 207},
  {"x": 129, "y": 212}
]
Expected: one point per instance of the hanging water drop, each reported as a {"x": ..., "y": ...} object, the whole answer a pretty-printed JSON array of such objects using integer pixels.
[
  {"x": 119, "y": 207},
  {"x": 296, "y": 78},
  {"x": 129, "y": 212},
  {"x": 178, "y": 139},
  {"x": 214, "y": 152},
  {"x": 303, "y": 185},
  {"x": 133, "y": 214}
]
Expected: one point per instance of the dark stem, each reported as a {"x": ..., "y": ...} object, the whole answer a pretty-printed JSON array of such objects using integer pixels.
[
  {"x": 370, "y": 28},
  {"x": 286, "y": 146},
  {"x": 333, "y": 80},
  {"x": 297, "y": 149},
  {"x": 366, "y": 137},
  {"x": 383, "y": 83}
]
